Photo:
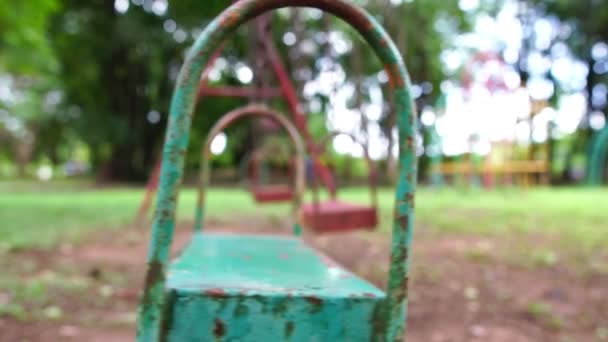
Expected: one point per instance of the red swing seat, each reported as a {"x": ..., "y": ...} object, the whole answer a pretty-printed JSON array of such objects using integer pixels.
[
  {"x": 271, "y": 193},
  {"x": 338, "y": 216},
  {"x": 333, "y": 215}
]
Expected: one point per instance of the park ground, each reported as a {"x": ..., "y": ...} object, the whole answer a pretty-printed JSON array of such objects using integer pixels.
[{"x": 504, "y": 265}]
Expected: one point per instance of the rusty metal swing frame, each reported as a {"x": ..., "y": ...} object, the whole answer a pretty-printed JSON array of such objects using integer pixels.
[
  {"x": 387, "y": 320},
  {"x": 333, "y": 215},
  {"x": 286, "y": 89},
  {"x": 266, "y": 193},
  {"x": 230, "y": 118}
]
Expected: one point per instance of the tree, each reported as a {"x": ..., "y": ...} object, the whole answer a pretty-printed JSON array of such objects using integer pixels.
[
  {"x": 587, "y": 24},
  {"x": 22, "y": 35},
  {"x": 118, "y": 63},
  {"x": 421, "y": 30},
  {"x": 108, "y": 69},
  {"x": 26, "y": 66}
]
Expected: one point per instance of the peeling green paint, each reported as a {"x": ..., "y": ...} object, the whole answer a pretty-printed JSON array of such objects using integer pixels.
[
  {"x": 388, "y": 312},
  {"x": 265, "y": 288}
]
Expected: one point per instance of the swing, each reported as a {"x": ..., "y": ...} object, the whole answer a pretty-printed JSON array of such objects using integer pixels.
[
  {"x": 267, "y": 193},
  {"x": 335, "y": 215},
  {"x": 260, "y": 288}
]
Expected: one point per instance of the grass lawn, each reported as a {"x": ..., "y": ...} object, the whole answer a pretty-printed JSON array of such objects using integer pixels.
[{"x": 43, "y": 215}]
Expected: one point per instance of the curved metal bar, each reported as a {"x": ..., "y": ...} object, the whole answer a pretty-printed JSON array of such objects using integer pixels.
[
  {"x": 597, "y": 157},
  {"x": 390, "y": 321},
  {"x": 373, "y": 172},
  {"x": 227, "y": 120}
]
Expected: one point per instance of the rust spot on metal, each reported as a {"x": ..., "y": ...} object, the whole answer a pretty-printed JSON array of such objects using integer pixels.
[
  {"x": 410, "y": 141},
  {"x": 391, "y": 81},
  {"x": 284, "y": 256},
  {"x": 167, "y": 316},
  {"x": 241, "y": 310},
  {"x": 316, "y": 302},
  {"x": 280, "y": 308},
  {"x": 404, "y": 220},
  {"x": 289, "y": 326},
  {"x": 402, "y": 291},
  {"x": 404, "y": 253},
  {"x": 155, "y": 275},
  {"x": 369, "y": 295},
  {"x": 379, "y": 322},
  {"x": 394, "y": 70},
  {"x": 216, "y": 293},
  {"x": 409, "y": 199},
  {"x": 219, "y": 328}
]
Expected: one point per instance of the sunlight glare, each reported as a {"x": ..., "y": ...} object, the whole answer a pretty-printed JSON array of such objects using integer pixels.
[{"x": 218, "y": 145}]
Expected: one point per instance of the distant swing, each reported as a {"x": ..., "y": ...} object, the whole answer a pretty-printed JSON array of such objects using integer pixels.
[{"x": 335, "y": 215}]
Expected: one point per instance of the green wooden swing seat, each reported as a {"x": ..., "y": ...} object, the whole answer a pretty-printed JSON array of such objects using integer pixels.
[{"x": 265, "y": 288}]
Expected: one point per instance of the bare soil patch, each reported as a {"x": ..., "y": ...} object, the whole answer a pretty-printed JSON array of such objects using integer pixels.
[{"x": 460, "y": 291}]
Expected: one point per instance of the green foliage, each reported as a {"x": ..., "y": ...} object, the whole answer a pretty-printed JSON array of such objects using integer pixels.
[
  {"x": 117, "y": 73},
  {"x": 110, "y": 70},
  {"x": 423, "y": 29},
  {"x": 588, "y": 19},
  {"x": 348, "y": 168},
  {"x": 583, "y": 24},
  {"x": 23, "y": 45}
]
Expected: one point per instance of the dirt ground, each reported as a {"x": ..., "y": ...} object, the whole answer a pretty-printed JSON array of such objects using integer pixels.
[{"x": 460, "y": 290}]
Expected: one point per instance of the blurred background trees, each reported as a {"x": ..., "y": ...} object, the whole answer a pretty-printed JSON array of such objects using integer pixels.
[{"x": 90, "y": 81}]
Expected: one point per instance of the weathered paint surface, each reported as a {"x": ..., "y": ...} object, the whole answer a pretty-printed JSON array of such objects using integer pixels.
[
  {"x": 261, "y": 265},
  {"x": 260, "y": 288},
  {"x": 227, "y": 120},
  {"x": 598, "y": 157},
  {"x": 271, "y": 318},
  {"x": 389, "y": 320}
]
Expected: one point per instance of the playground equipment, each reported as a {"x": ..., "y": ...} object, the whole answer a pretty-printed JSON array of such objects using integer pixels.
[
  {"x": 266, "y": 53},
  {"x": 492, "y": 81},
  {"x": 500, "y": 166},
  {"x": 270, "y": 288},
  {"x": 596, "y": 166},
  {"x": 519, "y": 170},
  {"x": 267, "y": 193},
  {"x": 227, "y": 120},
  {"x": 473, "y": 169},
  {"x": 257, "y": 175},
  {"x": 334, "y": 215}
]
